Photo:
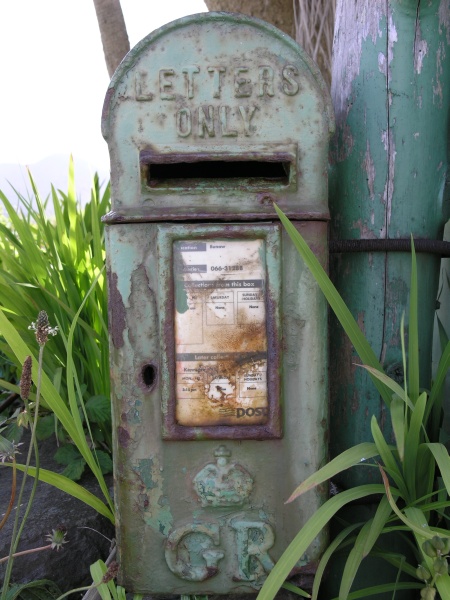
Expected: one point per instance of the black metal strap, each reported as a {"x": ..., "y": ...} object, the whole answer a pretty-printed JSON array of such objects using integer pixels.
[{"x": 399, "y": 245}]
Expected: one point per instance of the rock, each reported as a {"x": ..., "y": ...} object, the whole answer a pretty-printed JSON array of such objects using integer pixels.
[{"x": 88, "y": 533}]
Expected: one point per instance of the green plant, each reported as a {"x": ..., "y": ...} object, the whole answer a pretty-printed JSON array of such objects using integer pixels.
[
  {"x": 42, "y": 331},
  {"x": 409, "y": 502},
  {"x": 103, "y": 581},
  {"x": 50, "y": 263},
  {"x": 69, "y": 416},
  {"x": 35, "y": 590}
]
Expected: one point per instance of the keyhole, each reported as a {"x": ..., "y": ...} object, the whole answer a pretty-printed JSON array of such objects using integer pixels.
[{"x": 149, "y": 373}]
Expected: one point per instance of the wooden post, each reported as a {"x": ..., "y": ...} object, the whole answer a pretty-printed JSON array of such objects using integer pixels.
[{"x": 391, "y": 95}]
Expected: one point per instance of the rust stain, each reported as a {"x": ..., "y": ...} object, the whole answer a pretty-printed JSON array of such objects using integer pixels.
[
  {"x": 360, "y": 321},
  {"x": 116, "y": 311},
  {"x": 123, "y": 437}
]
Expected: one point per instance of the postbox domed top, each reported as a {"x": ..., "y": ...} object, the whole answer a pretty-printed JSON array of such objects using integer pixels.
[{"x": 217, "y": 88}]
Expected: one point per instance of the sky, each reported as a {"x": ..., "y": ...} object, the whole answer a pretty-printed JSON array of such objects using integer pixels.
[{"x": 54, "y": 77}]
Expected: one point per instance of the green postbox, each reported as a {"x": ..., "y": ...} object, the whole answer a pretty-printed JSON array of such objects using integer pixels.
[{"x": 218, "y": 331}]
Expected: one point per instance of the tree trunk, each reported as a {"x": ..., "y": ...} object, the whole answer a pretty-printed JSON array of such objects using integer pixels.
[
  {"x": 113, "y": 32},
  {"x": 277, "y": 12}
]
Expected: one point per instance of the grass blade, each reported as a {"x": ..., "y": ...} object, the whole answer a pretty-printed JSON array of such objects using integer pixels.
[
  {"x": 398, "y": 424},
  {"x": 364, "y": 543},
  {"x": 98, "y": 569},
  {"x": 395, "y": 508},
  {"x": 308, "y": 533},
  {"x": 336, "y": 303},
  {"x": 332, "y": 547},
  {"x": 387, "y": 457},
  {"x": 389, "y": 383},
  {"x": 70, "y": 487},
  {"x": 435, "y": 400},
  {"x": 413, "y": 333},
  {"x": 345, "y": 460},
  {"x": 442, "y": 458},
  {"x": 295, "y": 590},
  {"x": 376, "y": 590},
  {"x": 412, "y": 443}
]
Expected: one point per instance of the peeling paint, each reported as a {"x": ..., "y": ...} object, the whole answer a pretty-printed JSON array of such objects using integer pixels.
[
  {"x": 444, "y": 18},
  {"x": 388, "y": 192},
  {"x": 420, "y": 51},
  {"x": 382, "y": 63},
  {"x": 365, "y": 232},
  {"x": 355, "y": 21},
  {"x": 144, "y": 469},
  {"x": 437, "y": 88},
  {"x": 392, "y": 39}
]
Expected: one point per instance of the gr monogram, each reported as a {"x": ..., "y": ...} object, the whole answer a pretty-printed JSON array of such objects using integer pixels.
[{"x": 194, "y": 551}]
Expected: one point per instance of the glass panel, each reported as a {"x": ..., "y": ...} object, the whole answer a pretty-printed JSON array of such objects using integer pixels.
[{"x": 220, "y": 332}]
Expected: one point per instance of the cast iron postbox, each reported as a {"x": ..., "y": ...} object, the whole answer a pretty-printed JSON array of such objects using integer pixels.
[{"x": 218, "y": 331}]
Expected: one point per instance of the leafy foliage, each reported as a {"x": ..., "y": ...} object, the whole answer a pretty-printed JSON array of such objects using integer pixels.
[
  {"x": 110, "y": 590},
  {"x": 410, "y": 500},
  {"x": 68, "y": 416},
  {"x": 41, "y": 589},
  {"x": 56, "y": 263},
  {"x": 49, "y": 263}
]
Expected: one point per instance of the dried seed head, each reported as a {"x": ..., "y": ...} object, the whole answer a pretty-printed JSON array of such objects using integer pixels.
[
  {"x": 57, "y": 537},
  {"x": 25, "y": 380},
  {"x": 42, "y": 328},
  {"x": 111, "y": 573},
  {"x": 8, "y": 449}
]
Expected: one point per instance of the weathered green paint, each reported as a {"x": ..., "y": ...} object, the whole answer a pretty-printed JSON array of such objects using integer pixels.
[
  {"x": 391, "y": 94},
  {"x": 201, "y": 509}
]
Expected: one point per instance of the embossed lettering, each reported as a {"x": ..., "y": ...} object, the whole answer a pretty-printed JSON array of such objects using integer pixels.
[
  {"x": 190, "y": 70},
  {"x": 166, "y": 85},
  {"x": 265, "y": 81},
  {"x": 217, "y": 79},
  {"x": 190, "y": 552},
  {"x": 212, "y": 121},
  {"x": 247, "y": 113},
  {"x": 184, "y": 122},
  {"x": 224, "y": 112},
  {"x": 253, "y": 539},
  {"x": 206, "y": 122},
  {"x": 242, "y": 85},
  {"x": 140, "y": 87},
  {"x": 290, "y": 85}
]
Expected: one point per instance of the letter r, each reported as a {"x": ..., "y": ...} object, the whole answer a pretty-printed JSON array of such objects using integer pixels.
[{"x": 253, "y": 539}]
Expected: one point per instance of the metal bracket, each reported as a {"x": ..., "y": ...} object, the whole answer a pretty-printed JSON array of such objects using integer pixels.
[{"x": 398, "y": 245}]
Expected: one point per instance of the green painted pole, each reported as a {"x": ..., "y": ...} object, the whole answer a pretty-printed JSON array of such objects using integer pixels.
[{"x": 391, "y": 95}]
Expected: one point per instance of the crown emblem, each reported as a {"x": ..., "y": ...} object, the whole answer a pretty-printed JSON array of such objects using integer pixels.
[{"x": 223, "y": 483}]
